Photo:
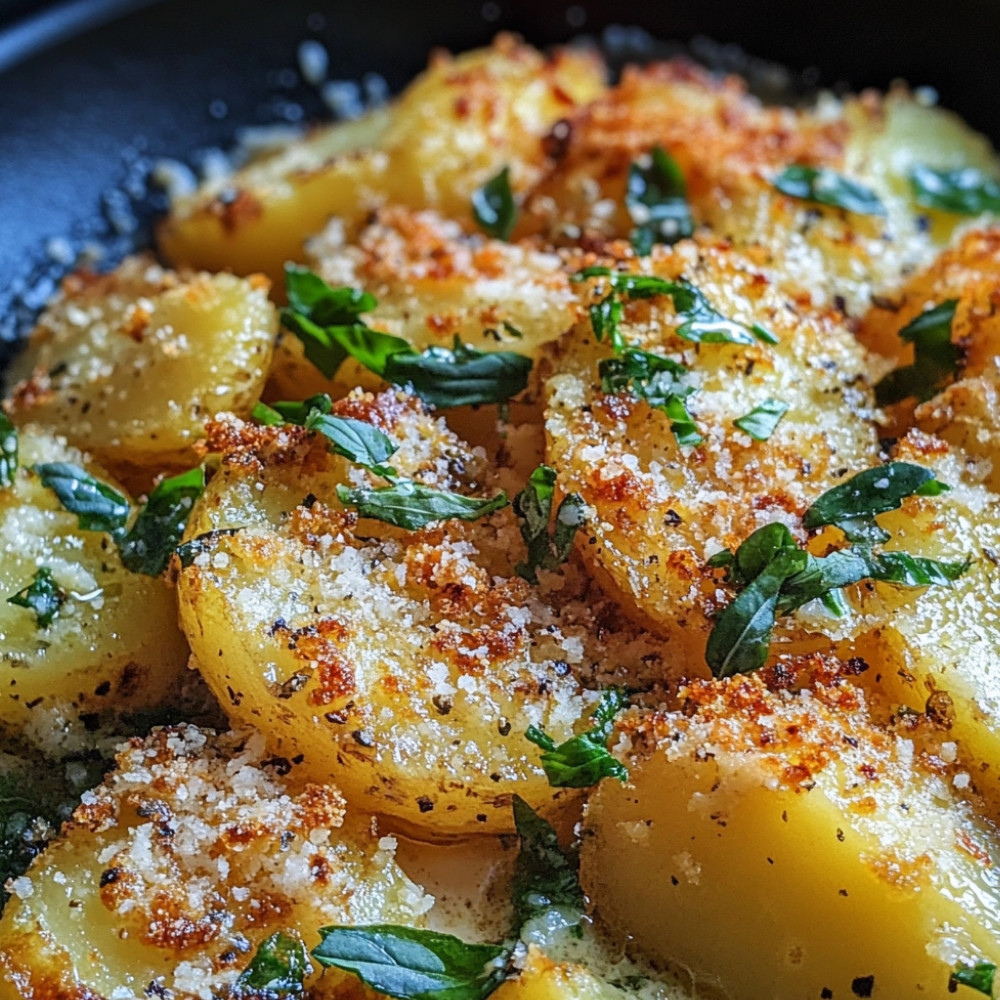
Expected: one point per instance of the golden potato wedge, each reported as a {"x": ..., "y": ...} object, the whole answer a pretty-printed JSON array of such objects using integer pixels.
[
  {"x": 778, "y": 846},
  {"x": 730, "y": 148},
  {"x": 181, "y": 863},
  {"x": 405, "y": 666},
  {"x": 130, "y": 365},
  {"x": 660, "y": 510},
  {"x": 114, "y": 644},
  {"x": 452, "y": 129}
]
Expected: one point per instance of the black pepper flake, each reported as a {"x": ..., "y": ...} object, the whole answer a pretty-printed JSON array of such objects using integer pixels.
[
  {"x": 826, "y": 993},
  {"x": 673, "y": 880},
  {"x": 503, "y": 726},
  {"x": 842, "y": 892},
  {"x": 480, "y": 817},
  {"x": 363, "y": 738},
  {"x": 102, "y": 689},
  {"x": 840, "y": 835},
  {"x": 309, "y": 501},
  {"x": 672, "y": 518},
  {"x": 442, "y": 703},
  {"x": 155, "y": 989},
  {"x": 862, "y": 986},
  {"x": 110, "y": 875},
  {"x": 424, "y": 804}
]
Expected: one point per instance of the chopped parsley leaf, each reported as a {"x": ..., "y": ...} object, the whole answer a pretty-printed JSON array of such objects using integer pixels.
[
  {"x": 493, "y": 206},
  {"x": 43, "y": 596},
  {"x": 533, "y": 506}
]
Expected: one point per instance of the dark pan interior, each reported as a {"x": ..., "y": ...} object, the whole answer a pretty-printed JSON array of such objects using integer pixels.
[{"x": 92, "y": 91}]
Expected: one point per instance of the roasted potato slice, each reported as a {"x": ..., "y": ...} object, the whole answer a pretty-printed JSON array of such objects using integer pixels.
[
  {"x": 452, "y": 129},
  {"x": 189, "y": 855},
  {"x": 862, "y": 872},
  {"x": 661, "y": 510},
  {"x": 130, "y": 365},
  {"x": 113, "y": 644},
  {"x": 730, "y": 148},
  {"x": 405, "y": 666}
]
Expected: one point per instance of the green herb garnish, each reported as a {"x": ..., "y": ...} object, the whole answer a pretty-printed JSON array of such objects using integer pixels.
[
  {"x": 98, "y": 507},
  {"x": 278, "y": 969},
  {"x": 701, "y": 322},
  {"x": 8, "y": 451},
  {"x": 533, "y": 506},
  {"x": 411, "y": 505},
  {"x": 493, "y": 206},
  {"x": 826, "y": 187},
  {"x": 147, "y": 547},
  {"x": 656, "y": 199},
  {"x": 413, "y": 964},
  {"x": 761, "y": 422},
  {"x": 43, "y": 596},
  {"x": 582, "y": 761},
  {"x": 978, "y": 977},
  {"x": 936, "y": 359},
  {"x": 853, "y": 505},
  {"x": 545, "y": 876},
  {"x": 964, "y": 191},
  {"x": 657, "y": 380},
  {"x": 328, "y": 322},
  {"x": 775, "y": 576},
  {"x": 158, "y": 529},
  {"x": 461, "y": 375}
]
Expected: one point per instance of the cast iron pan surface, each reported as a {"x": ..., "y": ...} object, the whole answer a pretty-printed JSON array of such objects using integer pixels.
[{"x": 92, "y": 92}]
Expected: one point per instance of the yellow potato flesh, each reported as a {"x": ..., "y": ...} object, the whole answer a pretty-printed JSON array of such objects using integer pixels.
[
  {"x": 130, "y": 366},
  {"x": 114, "y": 643},
  {"x": 769, "y": 857}
]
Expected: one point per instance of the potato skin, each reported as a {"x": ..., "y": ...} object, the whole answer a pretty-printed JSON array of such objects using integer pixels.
[
  {"x": 114, "y": 646},
  {"x": 405, "y": 666},
  {"x": 830, "y": 827},
  {"x": 128, "y": 366},
  {"x": 188, "y": 856}
]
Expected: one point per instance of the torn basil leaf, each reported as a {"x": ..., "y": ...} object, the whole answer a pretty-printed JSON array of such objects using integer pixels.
[
  {"x": 291, "y": 412},
  {"x": 853, "y": 505},
  {"x": 775, "y": 576},
  {"x": 936, "y": 359},
  {"x": 278, "y": 969},
  {"x": 461, "y": 375},
  {"x": 760, "y": 423},
  {"x": 158, "y": 529},
  {"x": 978, "y": 977},
  {"x": 43, "y": 596},
  {"x": 8, "y": 451},
  {"x": 545, "y": 876},
  {"x": 413, "y": 964},
  {"x": 328, "y": 320},
  {"x": 441, "y": 376},
  {"x": 98, "y": 507},
  {"x": 962, "y": 191},
  {"x": 493, "y": 206},
  {"x": 658, "y": 381},
  {"x": 533, "y": 506},
  {"x": 411, "y": 505},
  {"x": 582, "y": 761},
  {"x": 826, "y": 187},
  {"x": 700, "y": 323},
  {"x": 355, "y": 440},
  {"x": 656, "y": 199}
]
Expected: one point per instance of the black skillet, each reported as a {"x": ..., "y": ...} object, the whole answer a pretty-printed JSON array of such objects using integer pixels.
[{"x": 93, "y": 91}]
